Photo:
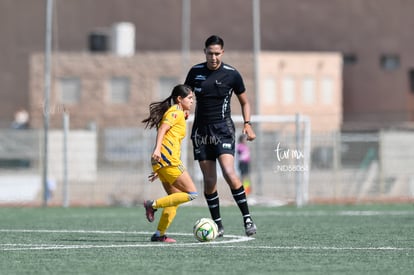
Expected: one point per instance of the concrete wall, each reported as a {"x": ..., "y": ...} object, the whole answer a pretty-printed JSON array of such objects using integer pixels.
[
  {"x": 82, "y": 150},
  {"x": 310, "y": 74}
]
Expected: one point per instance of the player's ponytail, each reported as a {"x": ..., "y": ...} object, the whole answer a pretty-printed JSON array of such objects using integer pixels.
[{"x": 157, "y": 109}]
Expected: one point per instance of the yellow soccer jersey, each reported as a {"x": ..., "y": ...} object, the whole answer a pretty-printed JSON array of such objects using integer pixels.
[{"x": 171, "y": 143}]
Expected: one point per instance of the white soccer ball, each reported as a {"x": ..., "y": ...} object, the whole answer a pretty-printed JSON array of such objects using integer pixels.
[{"x": 205, "y": 230}]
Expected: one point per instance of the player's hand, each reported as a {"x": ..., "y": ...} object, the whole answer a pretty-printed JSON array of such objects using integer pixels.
[
  {"x": 248, "y": 131},
  {"x": 153, "y": 176},
  {"x": 156, "y": 157}
]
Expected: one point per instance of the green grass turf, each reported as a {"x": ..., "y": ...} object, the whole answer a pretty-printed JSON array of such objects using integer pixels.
[{"x": 369, "y": 239}]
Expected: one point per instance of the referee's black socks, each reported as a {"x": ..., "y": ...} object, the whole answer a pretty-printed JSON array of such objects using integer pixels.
[
  {"x": 239, "y": 196},
  {"x": 214, "y": 207}
]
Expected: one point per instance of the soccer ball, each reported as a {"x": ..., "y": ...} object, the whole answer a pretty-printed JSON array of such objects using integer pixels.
[{"x": 205, "y": 230}]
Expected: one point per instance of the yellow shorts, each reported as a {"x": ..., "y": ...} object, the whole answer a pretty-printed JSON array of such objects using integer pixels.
[{"x": 169, "y": 174}]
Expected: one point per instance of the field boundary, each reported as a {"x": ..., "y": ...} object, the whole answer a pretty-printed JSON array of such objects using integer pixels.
[
  {"x": 224, "y": 243},
  {"x": 43, "y": 246}
]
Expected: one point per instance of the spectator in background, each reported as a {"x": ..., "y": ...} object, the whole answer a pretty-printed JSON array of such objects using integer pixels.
[
  {"x": 21, "y": 119},
  {"x": 243, "y": 154},
  {"x": 51, "y": 187}
]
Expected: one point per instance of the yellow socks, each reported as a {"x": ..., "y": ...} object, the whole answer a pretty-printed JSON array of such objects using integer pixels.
[
  {"x": 167, "y": 217},
  {"x": 172, "y": 200}
]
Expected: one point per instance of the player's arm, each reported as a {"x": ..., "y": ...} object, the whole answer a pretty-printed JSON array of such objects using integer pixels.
[
  {"x": 156, "y": 155},
  {"x": 245, "y": 107}
]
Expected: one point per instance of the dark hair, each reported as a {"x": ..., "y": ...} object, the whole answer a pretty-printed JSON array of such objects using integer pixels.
[
  {"x": 214, "y": 40},
  {"x": 157, "y": 109}
]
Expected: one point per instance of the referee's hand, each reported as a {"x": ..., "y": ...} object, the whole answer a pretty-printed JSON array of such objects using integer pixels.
[{"x": 248, "y": 131}]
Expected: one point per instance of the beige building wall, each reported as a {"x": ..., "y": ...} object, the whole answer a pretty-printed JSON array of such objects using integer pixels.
[
  {"x": 144, "y": 71},
  {"x": 306, "y": 83},
  {"x": 290, "y": 83},
  {"x": 95, "y": 72}
]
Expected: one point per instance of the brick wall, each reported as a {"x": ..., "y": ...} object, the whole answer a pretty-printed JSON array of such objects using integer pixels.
[
  {"x": 95, "y": 70},
  {"x": 144, "y": 70}
]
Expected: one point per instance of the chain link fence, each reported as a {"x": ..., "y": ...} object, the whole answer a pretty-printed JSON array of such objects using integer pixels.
[{"x": 110, "y": 167}]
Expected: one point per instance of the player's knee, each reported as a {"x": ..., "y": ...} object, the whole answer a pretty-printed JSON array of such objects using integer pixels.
[
  {"x": 193, "y": 195},
  {"x": 231, "y": 178},
  {"x": 229, "y": 173}
]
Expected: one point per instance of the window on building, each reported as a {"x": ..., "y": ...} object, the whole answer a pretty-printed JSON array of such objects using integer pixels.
[
  {"x": 308, "y": 90},
  {"x": 288, "y": 90},
  {"x": 411, "y": 79},
  {"x": 327, "y": 90},
  {"x": 119, "y": 89},
  {"x": 390, "y": 62},
  {"x": 70, "y": 90},
  {"x": 166, "y": 84},
  {"x": 349, "y": 59},
  {"x": 269, "y": 91}
]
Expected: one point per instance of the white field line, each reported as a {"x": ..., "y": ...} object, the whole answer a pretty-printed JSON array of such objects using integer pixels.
[
  {"x": 320, "y": 248},
  {"x": 16, "y": 247},
  {"x": 333, "y": 213},
  {"x": 300, "y": 213},
  {"x": 219, "y": 244},
  {"x": 24, "y": 246}
]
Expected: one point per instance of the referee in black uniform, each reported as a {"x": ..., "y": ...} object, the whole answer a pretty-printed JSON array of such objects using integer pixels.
[{"x": 213, "y": 132}]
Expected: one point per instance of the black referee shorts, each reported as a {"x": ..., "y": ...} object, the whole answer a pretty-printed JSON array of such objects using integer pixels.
[{"x": 212, "y": 140}]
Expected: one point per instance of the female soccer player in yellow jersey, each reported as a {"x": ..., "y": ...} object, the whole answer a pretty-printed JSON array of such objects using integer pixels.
[{"x": 169, "y": 117}]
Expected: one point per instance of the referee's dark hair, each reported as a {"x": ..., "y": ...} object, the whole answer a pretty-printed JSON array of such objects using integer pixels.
[{"x": 214, "y": 40}]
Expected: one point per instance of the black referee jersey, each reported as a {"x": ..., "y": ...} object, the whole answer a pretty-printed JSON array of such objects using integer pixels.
[{"x": 213, "y": 90}]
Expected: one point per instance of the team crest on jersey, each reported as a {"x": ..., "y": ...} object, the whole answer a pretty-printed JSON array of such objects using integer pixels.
[{"x": 174, "y": 115}]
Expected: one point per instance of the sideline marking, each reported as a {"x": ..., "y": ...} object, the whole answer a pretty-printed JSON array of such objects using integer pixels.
[
  {"x": 25, "y": 246},
  {"x": 321, "y": 248},
  {"x": 216, "y": 244},
  {"x": 335, "y": 213}
]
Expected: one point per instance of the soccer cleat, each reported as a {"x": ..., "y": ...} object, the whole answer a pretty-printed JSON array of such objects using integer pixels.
[
  {"x": 220, "y": 232},
  {"x": 163, "y": 239},
  {"x": 250, "y": 227},
  {"x": 149, "y": 211}
]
